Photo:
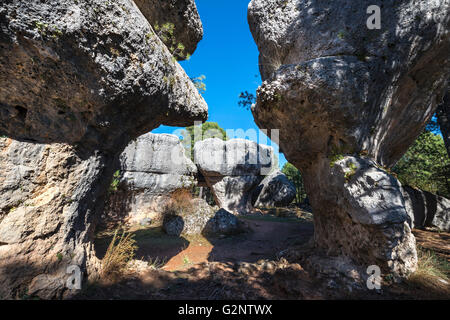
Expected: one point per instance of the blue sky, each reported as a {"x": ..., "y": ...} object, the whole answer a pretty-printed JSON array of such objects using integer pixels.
[{"x": 228, "y": 57}]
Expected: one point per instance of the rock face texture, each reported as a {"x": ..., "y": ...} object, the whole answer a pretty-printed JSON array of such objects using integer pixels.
[
  {"x": 203, "y": 220},
  {"x": 151, "y": 168},
  {"x": 78, "y": 81},
  {"x": 232, "y": 169},
  {"x": 187, "y": 26},
  {"x": 276, "y": 190},
  {"x": 426, "y": 209},
  {"x": 340, "y": 91}
]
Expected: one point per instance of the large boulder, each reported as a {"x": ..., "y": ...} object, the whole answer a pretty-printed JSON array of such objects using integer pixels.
[
  {"x": 340, "y": 92},
  {"x": 276, "y": 190},
  {"x": 151, "y": 168},
  {"x": 232, "y": 170},
  {"x": 78, "y": 81},
  {"x": 426, "y": 209},
  {"x": 201, "y": 219}
]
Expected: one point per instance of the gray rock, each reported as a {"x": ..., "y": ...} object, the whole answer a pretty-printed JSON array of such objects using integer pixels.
[
  {"x": 232, "y": 169},
  {"x": 222, "y": 223},
  {"x": 182, "y": 14},
  {"x": 78, "y": 81},
  {"x": 91, "y": 73},
  {"x": 276, "y": 190},
  {"x": 202, "y": 219},
  {"x": 335, "y": 88},
  {"x": 426, "y": 209},
  {"x": 151, "y": 168}
]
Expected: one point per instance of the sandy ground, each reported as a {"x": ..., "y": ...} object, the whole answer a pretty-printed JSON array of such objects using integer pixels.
[{"x": 244, "y": 266}]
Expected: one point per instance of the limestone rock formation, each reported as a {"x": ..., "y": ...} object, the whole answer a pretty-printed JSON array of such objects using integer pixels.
[
  {"x": 426, "y": 209},
  {"x": 203, "y": 219},
  {"x": 340, "y": 91},
  {"x": 187, "y": 26},
  {"x": 151, "y": 168},
  {"x": 276, "y": 190},
  {"x": 232, "y": 169},
  {"x": 78, "y": 81}
]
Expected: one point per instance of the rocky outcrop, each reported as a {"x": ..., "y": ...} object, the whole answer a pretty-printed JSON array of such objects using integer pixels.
[
  {"x": 276, "y": 190},
  {"x": 151, "y": 168},
  {"x": 426, "y": 209},
  {"x": 78, "y": 82},
  {"x": 232, "y": 170},
  {"x": 202, "y": 219},
  {"x": 182, "y": 14},
  {"x": 351, "y": 95}
]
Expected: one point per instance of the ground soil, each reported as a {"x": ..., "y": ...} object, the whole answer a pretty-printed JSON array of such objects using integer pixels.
[{"x": 245, "y": 266}]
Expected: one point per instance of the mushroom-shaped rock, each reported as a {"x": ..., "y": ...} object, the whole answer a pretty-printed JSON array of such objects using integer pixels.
[
  {"x": 151, "y": 168},
  {"x": 78, "y": 81},
  {"x": 232, "y": 169},
  {"x": 276, "y": 190},
  {"x": 336, "y": 88}
]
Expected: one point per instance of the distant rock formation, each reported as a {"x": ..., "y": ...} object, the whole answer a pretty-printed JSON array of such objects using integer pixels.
[
  {"x": 426, "y": 209},
  {"x": 78, "y": 81},
  {"x": 151, "y": 167},
  {"x": 232, "y": 170},
  {"x": 276, "y": 190},
  {"x": 204, "y": 220},
  {"x": 349, "y": 101}
]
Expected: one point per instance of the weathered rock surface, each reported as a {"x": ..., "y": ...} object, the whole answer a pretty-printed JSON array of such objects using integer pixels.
[
  {"x": 426, "y": 209},
  {"x": 202, "y": 219},
  {"x": 183, "y": 14},
  {"x": 334, "y": 88},
  {"x": 151, "y": 168},
  {"x": 78, "y": 81},
  {"x": 232, "y": 169},
  {"x": 276, "y": 190}
]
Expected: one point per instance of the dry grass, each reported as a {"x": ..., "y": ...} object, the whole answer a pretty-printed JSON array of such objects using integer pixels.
[
  {"x": 120, "y": 251},
  {"x": 180, "y": 203},
  {"x": 432, "y": 274}
]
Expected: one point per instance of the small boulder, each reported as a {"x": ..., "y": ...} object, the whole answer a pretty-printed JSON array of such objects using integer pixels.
[
  {"x": 200, "y": 219},
  {"x": 276, "y": 190}
]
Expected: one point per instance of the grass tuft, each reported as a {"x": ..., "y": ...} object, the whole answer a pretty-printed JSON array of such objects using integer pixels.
[{"x": 120, "y": 251}]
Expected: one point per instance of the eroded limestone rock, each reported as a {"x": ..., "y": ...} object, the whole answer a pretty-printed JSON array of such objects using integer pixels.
[
  {"x": 232, "y": 169},
  {"x": 276, "y": 190},
  {"x": 334, "y": 88},
  {"x": 202, "y": 219},
  {"x": 426, "y": 209},
  {"x": 151, "y": 168},
  {"x": 78, "y": 81},
  {"x": 187, "y": 26}
]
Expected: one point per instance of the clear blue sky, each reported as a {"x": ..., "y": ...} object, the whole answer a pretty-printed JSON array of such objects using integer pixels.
[{"x": 228, "y": 57}]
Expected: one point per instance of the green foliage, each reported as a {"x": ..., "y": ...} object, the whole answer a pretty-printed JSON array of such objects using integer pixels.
[
  {"x": 166, "y": 33},
  {"x": 207, "y": 130},
  {"x": 293, "y": 174},
  {"x": 246, "y": 100},
  {"x": 199, "y": 83},
  {"x": 426, "y": 165},
  {"x": 115, "y": 181}
]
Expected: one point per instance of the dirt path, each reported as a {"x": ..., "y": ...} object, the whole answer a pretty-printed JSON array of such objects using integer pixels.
[
  {"x": 244, "y": 267},
  {"x": 264, "y": 241}
]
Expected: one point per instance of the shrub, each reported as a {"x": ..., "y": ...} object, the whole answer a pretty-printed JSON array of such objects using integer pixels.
[
  {"x": 120, "y": 251},
  {"x": 180, "y": 203}
]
